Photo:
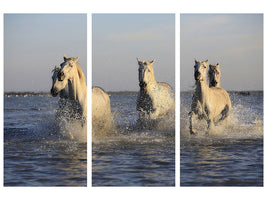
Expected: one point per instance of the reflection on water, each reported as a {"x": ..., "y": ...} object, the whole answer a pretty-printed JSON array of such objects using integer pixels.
[
  {"x": 133, "y": 163},
  {"x": 222, "y": 164},
  {"x": 45, "y": 164},
  {"x": 35, "y": 153}
]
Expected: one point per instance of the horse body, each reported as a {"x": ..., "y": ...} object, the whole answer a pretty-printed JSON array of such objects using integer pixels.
[
  {"x": 101, "y": 112},
  {"x": 154, "y": 99},
  {"x": 211, "y": 103},
  {"x": 72, "y": 77}
]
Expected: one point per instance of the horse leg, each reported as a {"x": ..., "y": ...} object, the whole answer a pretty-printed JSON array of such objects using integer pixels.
[
  {"x": 210, "y": 125},
  {"x": 191, "y": 115},
  {"x": 224, "y": 114}
]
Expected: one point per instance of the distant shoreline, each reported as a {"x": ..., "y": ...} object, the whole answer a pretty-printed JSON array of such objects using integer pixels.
[
  {"x": 48, "y": 93},
  {"x": 26, "y": 93},
  {"x": 248, "y": 92},
  {"x": 120, "y": 92}
]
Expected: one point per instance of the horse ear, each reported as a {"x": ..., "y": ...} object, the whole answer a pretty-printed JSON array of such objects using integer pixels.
[
  {"x": 217, "y": 64},
  {"x": 206, "y": 62},
  {"x": 152, "y": 61},
  {"x": 137, "y": 60},
  {"x": 65, "y": 57},
  {"x": 76, "y": 59},
  {"x": 196, "y": 61}
]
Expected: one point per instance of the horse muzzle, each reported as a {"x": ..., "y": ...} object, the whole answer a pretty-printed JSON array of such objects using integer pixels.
[
  {"x": 53, "y": 92},
  {"x": 197, "y": 75},
  {"x": 213, "y": 83},
  {"x": 142, "y": 84}
]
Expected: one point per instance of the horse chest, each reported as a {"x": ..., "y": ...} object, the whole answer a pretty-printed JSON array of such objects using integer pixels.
[{"x": 145, "y": 103}]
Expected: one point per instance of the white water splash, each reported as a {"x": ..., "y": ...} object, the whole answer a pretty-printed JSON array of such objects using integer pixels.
[{"x": 237, "y": 126}]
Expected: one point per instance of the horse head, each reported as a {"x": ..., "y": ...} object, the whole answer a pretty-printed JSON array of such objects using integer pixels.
[
  {"x": 68, "y": 68},
  {"x": 65, "y": 73},
  {"x": 55, "y": 72},
  {"x": 200, "y": 70},
  {"x": 146, "y": 72},
  {"x": 214, "y": 74}
]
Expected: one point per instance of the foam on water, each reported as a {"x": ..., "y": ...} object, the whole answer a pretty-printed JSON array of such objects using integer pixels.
[
  {"x": 63, "y": 130},
  {"x": 129, "y": 132},
  {"x": 242, "y": 123}
]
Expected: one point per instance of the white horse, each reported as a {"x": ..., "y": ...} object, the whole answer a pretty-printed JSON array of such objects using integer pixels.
[
  {"x": 71, "y": 74},
  {"x": 101, "y": 112},
  {"x": 155, "y": 99},
  {"x": 211, "y": 103},
  {"x": 214, "y": 75},
  {"x": 63, "y": 94}
]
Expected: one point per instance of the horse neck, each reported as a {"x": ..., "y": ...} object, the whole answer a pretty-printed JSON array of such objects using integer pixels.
[
  {"x": 152, "y": 82},
  {"x": 217, "y": 85},
  {"x": 201, "y": 89},
  {"x": 76, "y": 87}
]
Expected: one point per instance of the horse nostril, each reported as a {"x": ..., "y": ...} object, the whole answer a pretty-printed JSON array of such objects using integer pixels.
[
  {"x": 142, "y": 84},
  {"x": 53, "y": 92}
]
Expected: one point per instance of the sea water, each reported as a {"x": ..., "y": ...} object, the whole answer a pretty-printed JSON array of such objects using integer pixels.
[
  {"x": 36, "y": 153},
  {"x": 127, "y": 156},
  {"x": 232, "y": 154}
]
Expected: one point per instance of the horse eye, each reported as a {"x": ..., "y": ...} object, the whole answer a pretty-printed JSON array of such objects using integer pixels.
[{"x": 60, "y": 75}]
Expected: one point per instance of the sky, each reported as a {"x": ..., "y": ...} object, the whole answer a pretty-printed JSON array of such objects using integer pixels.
[
  {"x": 235, "y": 41},
  {"x": 118, "y": 39},
  {"x": 35, "y": 43}
]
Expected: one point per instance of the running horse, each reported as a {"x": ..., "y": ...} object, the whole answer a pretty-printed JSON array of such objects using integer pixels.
[
  {"x": 211, "y": 103},
  {"x": 70, "y": 75},
  {"x": 155, "y": 99}
]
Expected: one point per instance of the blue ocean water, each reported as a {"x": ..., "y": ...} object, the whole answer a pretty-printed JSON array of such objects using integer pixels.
[
  {"x": 232, "y": 155},
  {"x": 35, "y": 153},
  {"x": 131, "y": 157}
]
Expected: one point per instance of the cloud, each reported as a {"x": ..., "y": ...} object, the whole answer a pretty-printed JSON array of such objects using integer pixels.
[
  {"x": 154, "y": 34},
  {"x": 199, "y": 23}
]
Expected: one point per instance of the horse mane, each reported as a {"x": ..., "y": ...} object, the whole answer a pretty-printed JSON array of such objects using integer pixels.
[
  {"x": 80, "y": 72},
  {"x": 56, "y": 69}
]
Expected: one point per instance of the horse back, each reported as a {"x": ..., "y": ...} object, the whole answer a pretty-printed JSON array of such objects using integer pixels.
[
  {"x": 100, "y": 101},
  {"x": 220, "y": 96},
  {"x": 165, "y": 85}
]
